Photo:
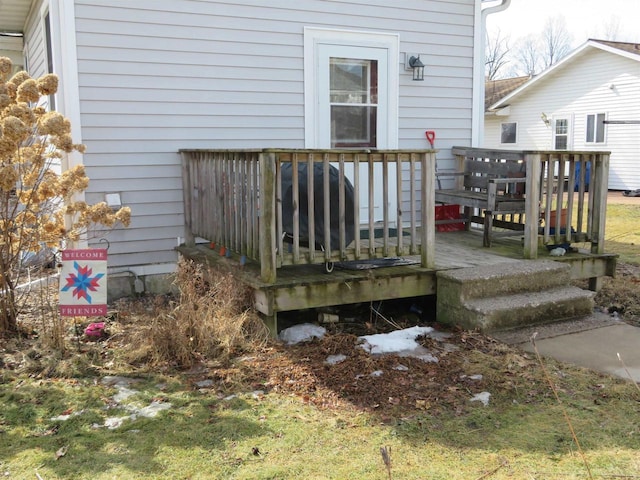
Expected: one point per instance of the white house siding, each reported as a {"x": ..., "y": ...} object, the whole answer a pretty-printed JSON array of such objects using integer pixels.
[
  {"x": 34, "y": 42},
  {"x": 578, "y": 89},
  {"x": 156, "y": 76}
]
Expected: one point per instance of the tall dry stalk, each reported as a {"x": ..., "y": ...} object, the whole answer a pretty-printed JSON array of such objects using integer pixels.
[{"x": 557, "y": 397}]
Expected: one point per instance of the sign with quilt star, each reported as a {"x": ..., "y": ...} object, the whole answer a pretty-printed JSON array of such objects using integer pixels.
[{"x": 83, "y": 283}]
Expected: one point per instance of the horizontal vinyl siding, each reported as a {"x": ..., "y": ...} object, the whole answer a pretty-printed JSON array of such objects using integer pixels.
[
  {"x": 157, "y": 76},
  {"x": 35, "y": 44},
  {"x": 579, "y": 89}
]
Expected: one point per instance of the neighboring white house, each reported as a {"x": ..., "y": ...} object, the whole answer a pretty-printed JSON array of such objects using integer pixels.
[
  {"x": 588, "y": 101},
  {"x": 142, "y": 79}
]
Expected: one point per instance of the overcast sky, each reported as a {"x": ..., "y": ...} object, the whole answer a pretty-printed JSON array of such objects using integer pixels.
[{"x": 585, "y": 18}]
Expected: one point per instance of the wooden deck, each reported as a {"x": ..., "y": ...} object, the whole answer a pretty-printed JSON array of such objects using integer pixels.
[
  {"x": 300, "y": 287},
  {"x": 261, "y": 209}
]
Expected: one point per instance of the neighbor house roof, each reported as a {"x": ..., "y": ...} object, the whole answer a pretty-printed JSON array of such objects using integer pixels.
[
  {"x": 628, "y": 50},
  {"x": 494, "y": 90}
]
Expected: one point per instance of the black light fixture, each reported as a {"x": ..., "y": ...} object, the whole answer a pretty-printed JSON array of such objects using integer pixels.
[{"x": 418, "y": 68}]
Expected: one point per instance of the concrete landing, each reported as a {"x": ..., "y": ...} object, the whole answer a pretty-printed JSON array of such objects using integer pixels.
[{"x": 592, "y": 342}]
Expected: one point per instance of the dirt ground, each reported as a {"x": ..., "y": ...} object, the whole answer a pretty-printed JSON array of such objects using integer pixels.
[
  {"x": 388, "y": 385},
  {"x": 619, "y": 198}
]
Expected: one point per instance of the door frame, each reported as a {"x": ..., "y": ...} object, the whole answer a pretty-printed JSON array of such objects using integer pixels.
[{"x": 314, "y": 40}]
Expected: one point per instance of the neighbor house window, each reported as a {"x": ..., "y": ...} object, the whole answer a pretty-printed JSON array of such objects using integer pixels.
[
  {"x": 595, "y": 128},
  {"x": 353, "y": 101},
  {"x": 561, "y": 134},
  {"x": 508, "y": 132}
]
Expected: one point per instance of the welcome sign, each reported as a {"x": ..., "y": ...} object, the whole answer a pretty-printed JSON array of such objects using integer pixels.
[{"x": 83, "y": 283}]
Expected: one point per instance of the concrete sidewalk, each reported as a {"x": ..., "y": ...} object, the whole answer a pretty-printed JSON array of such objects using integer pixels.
[{"x": 592, "y": 342}]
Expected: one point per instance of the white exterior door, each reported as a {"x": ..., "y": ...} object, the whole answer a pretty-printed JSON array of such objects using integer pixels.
[{"x": 351, "y": 91}]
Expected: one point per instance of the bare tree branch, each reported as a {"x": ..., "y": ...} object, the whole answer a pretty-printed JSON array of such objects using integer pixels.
[
  {"x": 527, "y": 55},
  {"x": 496, "y": 54},
  {"x": 610, "y": 29},
  {"x": 556, "y": 41}
]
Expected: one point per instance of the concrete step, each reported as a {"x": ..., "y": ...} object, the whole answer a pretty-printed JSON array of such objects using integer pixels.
[
  {"x": 486, "y": 281},
  {"x": 521, "y": 309}
]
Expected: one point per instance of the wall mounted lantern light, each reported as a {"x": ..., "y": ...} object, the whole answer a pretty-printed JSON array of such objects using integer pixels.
[
  {"x": 545, "y": 119},
  {"x": 418, "y": 68}
]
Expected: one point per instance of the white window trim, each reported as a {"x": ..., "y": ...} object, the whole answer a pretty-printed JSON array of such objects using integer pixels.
[
  {"x": 595, "y": 128},
  {"x": 316, "y": 36},
  {"x": 570, "y": 119}
]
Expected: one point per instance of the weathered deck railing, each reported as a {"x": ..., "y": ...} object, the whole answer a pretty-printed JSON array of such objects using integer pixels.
[
  {"x": 565, "y": 195},
  {"x": 234, "y": 199}
]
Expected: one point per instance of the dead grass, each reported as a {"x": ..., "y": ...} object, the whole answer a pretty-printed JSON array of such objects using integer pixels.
[{"x": 211, "y": 318}]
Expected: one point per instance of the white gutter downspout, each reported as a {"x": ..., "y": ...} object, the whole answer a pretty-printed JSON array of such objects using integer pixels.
[
  {"x": 479, "y": 34},
  {"x": 63, "y": 25}
]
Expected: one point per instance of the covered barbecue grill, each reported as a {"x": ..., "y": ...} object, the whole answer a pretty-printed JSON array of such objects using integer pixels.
[{"x": 318, "y": 205}]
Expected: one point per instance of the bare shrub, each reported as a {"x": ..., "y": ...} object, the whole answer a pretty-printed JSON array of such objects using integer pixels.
[
  {"x": 40, "y": 210},
  {"x": 212, "y": 318}
]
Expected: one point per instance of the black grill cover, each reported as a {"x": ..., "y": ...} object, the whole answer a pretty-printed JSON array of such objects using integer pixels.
[{"x": 318, "y": 205}]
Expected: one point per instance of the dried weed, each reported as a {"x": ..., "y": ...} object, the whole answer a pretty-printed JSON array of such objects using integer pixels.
[{"x": 212, "y": 318}]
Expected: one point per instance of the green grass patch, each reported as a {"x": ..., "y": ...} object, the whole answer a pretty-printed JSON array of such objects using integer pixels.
[
  {"x": 623, "y": 232},
  {"x": 520, "y": 434}
]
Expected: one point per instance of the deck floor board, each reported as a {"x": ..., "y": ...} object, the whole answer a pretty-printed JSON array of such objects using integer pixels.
[{"x": 309, "y": 286}]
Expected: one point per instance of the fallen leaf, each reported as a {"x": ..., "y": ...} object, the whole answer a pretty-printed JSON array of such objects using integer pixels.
[{"x": 62, "y": 451}]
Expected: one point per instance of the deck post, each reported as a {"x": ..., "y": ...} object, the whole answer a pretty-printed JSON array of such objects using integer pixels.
[
  {"x": 187, "y": 191},
  {"x": 599, "y": 188},
  {"x": 267, "y": 225},
  {"x": 428, "y": 209},
  {"x": 533, "y": 166}
]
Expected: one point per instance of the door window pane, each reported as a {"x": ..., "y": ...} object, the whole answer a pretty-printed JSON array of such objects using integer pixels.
[
  {"x": 561, "y": 134},
  {"x": 353, "y": 99}
]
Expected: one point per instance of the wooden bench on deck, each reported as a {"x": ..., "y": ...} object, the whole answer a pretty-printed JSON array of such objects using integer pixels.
[{"x": 494, "y": 186}]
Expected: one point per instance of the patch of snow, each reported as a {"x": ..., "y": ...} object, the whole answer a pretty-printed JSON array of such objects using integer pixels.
[
  {"x": 481, "y": 397},
  {"x": 425, "y": 357},
  {"x": 335, "y": 359},
  {"x": 152, "y": 409},
  {"x": 376, "y": 373},
  {"x": 204, "y": 383},
  {"x": 117, "y": 381},
  {"x": 401, "y": 368},
  {"x": 63, "y": 418},
  {"x": 301, "y": 333},
  {"x": 230, "y": 397},
  {"x": 115, "y": 422},
  {"x": 123, "y": 393},
  {"x": 472, "y": 377},
  {"x": 401, "y": 342},
  {"x": 394, "y": 342},
  {"x": 257, "y": 394}
]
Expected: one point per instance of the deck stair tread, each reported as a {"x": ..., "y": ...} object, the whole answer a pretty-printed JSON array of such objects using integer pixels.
[
  {"x": 517, "y": 301},
  {"x": 503, "y": 296}
]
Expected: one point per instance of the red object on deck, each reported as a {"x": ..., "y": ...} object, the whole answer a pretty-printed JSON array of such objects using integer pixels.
[{"x": 449, "y": 212}]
